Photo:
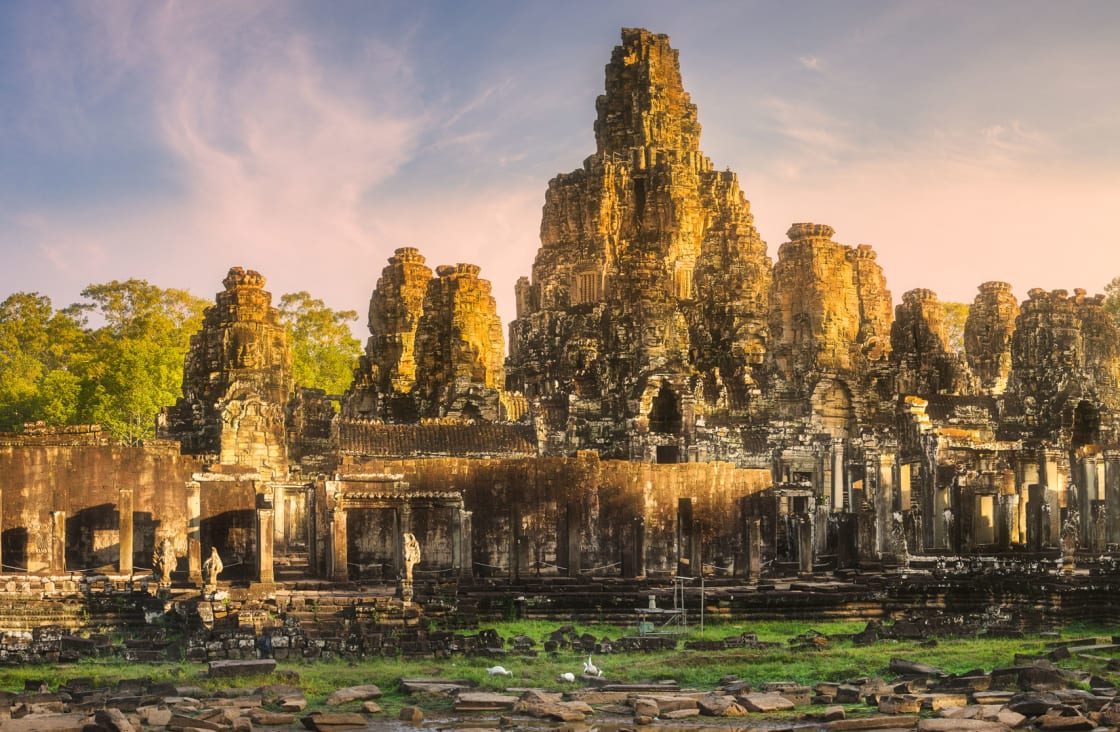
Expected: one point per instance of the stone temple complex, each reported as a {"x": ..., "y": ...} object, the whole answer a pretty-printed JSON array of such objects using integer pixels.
[{"x": 675, "y": 400}]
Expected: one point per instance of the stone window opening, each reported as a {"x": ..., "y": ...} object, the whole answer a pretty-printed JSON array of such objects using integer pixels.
[
  {"x": 665, "y": 413},
  {"x": 1086, "y": 425},
  {"x": 682, "y": 283},
  {"x": 585, "y": 289}
]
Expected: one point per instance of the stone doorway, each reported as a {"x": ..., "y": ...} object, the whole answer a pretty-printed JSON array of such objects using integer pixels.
[{"x": 294, "y": 530}]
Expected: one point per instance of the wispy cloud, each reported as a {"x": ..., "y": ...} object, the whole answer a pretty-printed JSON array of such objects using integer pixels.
[{"x": 812, "y": 63}]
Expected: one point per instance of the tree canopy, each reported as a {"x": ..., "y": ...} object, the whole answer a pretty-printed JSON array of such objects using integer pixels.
[{"x": 324, "y": 350}]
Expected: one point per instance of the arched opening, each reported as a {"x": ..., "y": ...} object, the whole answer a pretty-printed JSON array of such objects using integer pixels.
[
  {"x": 665, "y": 413},
  {"x": 1086, "y": 425}
]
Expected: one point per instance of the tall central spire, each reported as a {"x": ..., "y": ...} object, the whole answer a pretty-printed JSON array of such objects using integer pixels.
[{"x": 645, "y": 104}]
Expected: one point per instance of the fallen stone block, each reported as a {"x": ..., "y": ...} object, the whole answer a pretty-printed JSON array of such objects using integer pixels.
[
  {"x": 255, "y": 667},
  {"x": 334, "y": 721},
  {"x": 900, "y": 704},
  {"x": 353, "y": 693},
  {"x": 482, "y": 701},
  {"x": 765, "y": 703},
  {"x": 880, "y": 723},
  {"x": 960, "y": 725}
]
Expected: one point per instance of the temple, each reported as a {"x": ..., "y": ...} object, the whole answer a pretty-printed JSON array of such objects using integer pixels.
[{"x": 674, "y": 402}]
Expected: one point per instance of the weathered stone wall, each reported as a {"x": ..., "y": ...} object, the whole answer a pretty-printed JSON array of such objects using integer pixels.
[
  {"x": 85, "y": 481},
  {"x": 521, "y": 508}
]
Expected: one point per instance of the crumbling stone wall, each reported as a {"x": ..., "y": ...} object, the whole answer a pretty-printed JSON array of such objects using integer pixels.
[
  {"x": 46, "y": 473},
  {"x": 522, "y": 508}
]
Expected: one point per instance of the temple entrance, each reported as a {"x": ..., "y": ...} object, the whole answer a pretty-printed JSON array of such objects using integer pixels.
[
  {"x": 1086, "y": 425},
  {"x": 294, "y": 530}
]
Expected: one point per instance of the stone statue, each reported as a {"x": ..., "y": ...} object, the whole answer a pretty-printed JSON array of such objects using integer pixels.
[
  {"x": 164, "y": 562},
  {"x": 211, "y": 568},
  {"x": 411, "y": 555}
]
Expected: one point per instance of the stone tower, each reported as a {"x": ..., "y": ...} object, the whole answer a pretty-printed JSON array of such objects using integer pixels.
[
  {"x": 435, "y": 348},
  {"x": 647, "y": 305},
  {"x": 830, "y": 324},
  {"x": 920, "y": 343},
  {"x": 987, "y": 336},
  {"x": 237, "y": 381}
]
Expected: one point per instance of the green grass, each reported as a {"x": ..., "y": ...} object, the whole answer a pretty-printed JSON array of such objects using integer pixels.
[{"x": 839, "y": 661}]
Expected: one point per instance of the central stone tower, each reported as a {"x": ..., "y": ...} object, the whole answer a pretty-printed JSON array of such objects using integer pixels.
[{"x": 647, "y": 309}]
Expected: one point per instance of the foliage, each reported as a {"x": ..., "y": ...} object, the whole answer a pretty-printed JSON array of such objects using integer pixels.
[
  {"x": 1112, "y": 299},
  {"x": 54, "y": 367},
  {"x": 324, "y": 350},
  {"x": 955, "y": 314},
  {"x": 139, "y": 354}
]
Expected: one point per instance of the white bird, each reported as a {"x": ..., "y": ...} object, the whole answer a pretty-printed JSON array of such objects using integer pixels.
[
  {"x": 498, "y": 671},
  {"x": 590, "y": 669},
  {"x": 568, "y": 676}
]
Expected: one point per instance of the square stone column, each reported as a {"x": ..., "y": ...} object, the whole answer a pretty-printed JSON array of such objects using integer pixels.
[
  {"x": 466, "y": 570},
  {"x": 804, "y": 545},
  {"x": 266, "y": 537},
  {"x": 339, "y": 558},
  {"x": 572, "y": 520},
  {"x": 754, "y": 549},
  {"x": 839, "y": 482},
  {"x": 58, "y": 542},
  {"x": 194, "y": 532},
  {"x": 124, "y": 530}
]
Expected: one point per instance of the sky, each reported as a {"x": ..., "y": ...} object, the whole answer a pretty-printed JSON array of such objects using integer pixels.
[{"x": 169, "y": 141}]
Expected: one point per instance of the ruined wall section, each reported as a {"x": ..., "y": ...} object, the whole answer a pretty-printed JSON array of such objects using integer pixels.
[
  {"x": 829, "y": 323},
  {"x": 987, "y": 336},
  {"x": 533, "y": 498},
  {"x": 650, "y": 273},
  {"x": 1065, "y": 354},
  {"x": 47, "y": 473},
  {"x": 920, "y": 343},
  {"x": 237, "y": 380}
]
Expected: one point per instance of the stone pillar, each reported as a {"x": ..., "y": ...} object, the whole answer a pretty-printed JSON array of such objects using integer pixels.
[
  {"x": 266, "y": 537},
  {"x": 573, "y": 520},
  {"x": 696, "y": 542},
  {"x": 804, "y": 545},
  {"x": 124, "y": 530},
  {"x": 58, "y": 542},
  {"x": 467, "y": 551},
  {"x": 1037, "y": 518},
  {"x": 754, "y": 549},
  {"x": 884, "y": 498},
  {"x": 194, "y": 532},
  {"x": 1053, "y": 480},
  {"x": 1112, "y": 495},
  {"x": 1098, "y": 526},
  {"x": 514, "y": 543},
  {"x": 684, "y": 538},
  {"x": 340, "y": 571},
  {"x": 457, "y": 541},
  {"x": 839, "y": 484},
  {"x": 404, "y": 526},
  {"x": 638, "y": 524},
  {"x": 279, "y": 511}
]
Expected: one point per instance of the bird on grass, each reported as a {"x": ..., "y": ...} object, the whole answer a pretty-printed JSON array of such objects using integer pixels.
[
  {"x": 590, "y": 669},
  {"x": 499, "y": 671},
  {"x": 567, "y": 676}
]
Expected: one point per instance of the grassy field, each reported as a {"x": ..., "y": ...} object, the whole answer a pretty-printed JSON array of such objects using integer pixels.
[{"x": 838, "y": 661}]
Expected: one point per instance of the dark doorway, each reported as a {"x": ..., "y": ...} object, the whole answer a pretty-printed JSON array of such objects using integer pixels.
[
  {"x": 665, "y": 414},
  {"x": 668, "y": 454},
  {"x": 1086, "y": 425}
]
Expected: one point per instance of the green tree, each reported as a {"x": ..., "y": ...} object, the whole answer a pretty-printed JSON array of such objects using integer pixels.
[
  {"x": 136, "y": 358},
  {"x": 955, "y": 314},
  {"x": 1112, "y": 299},
  {"x": 38, "y": 347},
  {"x": 324, "y": 350}
]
